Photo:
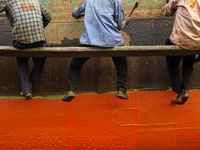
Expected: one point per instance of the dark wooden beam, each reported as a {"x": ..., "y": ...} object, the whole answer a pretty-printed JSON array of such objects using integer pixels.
[{"x": 128, "y": 51}]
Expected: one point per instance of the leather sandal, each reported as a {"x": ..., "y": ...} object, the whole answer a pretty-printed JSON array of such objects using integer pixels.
[
  {"x": 69, "y": 96},
  {"x": 28, "y": 96},
  {"x": 122, "y": 95},
  {"x": 182, "y": 98}
]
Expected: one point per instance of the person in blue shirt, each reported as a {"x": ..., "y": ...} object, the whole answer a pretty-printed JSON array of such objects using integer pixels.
[{"x": 103, "y": 21}]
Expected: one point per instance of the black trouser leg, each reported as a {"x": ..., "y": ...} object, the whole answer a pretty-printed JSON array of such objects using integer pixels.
[
  {"x": 74, "y": 72},
  {"x": 187, "y": 71},
  {"x": 172, "y": 67},
  {"x": 37, "y": 70},
  {"x": 121, "y": 67}
]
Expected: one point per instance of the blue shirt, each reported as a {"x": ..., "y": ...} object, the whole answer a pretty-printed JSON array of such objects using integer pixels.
[{"x": 103, "y": 21}]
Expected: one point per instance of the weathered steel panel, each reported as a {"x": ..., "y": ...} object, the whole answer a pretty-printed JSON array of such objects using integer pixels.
[
  {"x": 64, "y": 26},
  {"x": 61, "y": 9},
  {"x": 98, "y": 74}
]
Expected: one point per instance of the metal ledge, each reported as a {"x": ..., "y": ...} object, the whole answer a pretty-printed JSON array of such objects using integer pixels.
[{"x": 128, "y": 51}]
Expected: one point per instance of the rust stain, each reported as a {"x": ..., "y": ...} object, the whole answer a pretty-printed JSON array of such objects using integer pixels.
[
  {"x": 72, "y": 28},
  {"x": 126, "y": 38},
  {"x": 25, "y": 8},
  {"x": 150, "y": 24},
  {"x": 179, "y": 41},
  {"x": 97, "y": 26},
  {"x": 192, "y": 5},
  {"x": 176, "y": 32},
  {"x": 180, "y": 35},
  {"x": 91, "y": 21}
]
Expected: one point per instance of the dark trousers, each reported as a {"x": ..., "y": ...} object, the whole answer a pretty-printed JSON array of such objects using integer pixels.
[
  {"x": 77, "y": 64},
  {"x": 30, "y": 80},
  {"x": 187, "y": 69}
]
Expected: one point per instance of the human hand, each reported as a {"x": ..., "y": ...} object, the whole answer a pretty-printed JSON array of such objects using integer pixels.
[
  {"x": 165, "y": 10},
  {"x": 127, "y": 19}
]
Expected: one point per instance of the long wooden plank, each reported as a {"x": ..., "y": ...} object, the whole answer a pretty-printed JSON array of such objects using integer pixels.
[{"x": 128, "y": 51}]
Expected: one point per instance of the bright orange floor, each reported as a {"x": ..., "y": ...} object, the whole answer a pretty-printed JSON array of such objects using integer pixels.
[{"x": 101, "y": 121}]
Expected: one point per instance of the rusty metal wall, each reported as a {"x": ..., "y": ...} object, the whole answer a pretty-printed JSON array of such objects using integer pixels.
[
  {"x": 98, "y": 74},
  {"x": 64, "y": 30}
]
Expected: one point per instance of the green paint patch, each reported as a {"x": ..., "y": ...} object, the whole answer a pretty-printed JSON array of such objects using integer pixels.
[
  {"x": 129, "y": 2},
  {"x": 45, "y": 3},
  {"x": 45, "y": 97},
  {"x": 74, "y": 4},
  {"x": 9, "y": 97},
  {"x": 195, "y": 90},
  {"x": 147, "y": 3},
  {"x": 152, "y": 11},
  {"x": 52, "y": 97}
]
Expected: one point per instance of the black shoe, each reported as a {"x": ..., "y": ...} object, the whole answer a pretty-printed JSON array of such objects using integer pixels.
[
  {"x": 69, "y": 96},
  {"x": 122, "y": 95}
]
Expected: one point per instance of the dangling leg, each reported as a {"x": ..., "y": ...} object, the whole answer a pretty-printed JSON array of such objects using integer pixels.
[
  {"x": 39, "y": 63},
  {"x": 22, "y": 63},
  {"x": 121, "y": 67},
  {"x": 187, "y": 73},
  {"x": 172, "y": 67},
  {"x": 37, "y": 71},
  {"x": 73, "y": 77}
]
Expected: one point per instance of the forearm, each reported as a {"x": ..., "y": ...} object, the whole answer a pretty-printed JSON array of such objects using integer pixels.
[
  {"x": 119, "y": 16},
  {"x": 2, "y": 5},
  {"x": 46, "y": 16},
  {"x": 78, "y": 12},
  {"x": 45, "y": 21},
  {"x": 170, "y": 8}
]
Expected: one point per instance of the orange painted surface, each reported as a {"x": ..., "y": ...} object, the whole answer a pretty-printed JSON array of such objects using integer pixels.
[{"x": 101, "y": 121}]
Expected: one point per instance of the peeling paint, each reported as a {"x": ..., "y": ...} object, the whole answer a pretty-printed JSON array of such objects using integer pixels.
[
  {"x": 71, "y": 28},
  {"x": 126, "y": 37},
  {"x": 66, "y": 42}
]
